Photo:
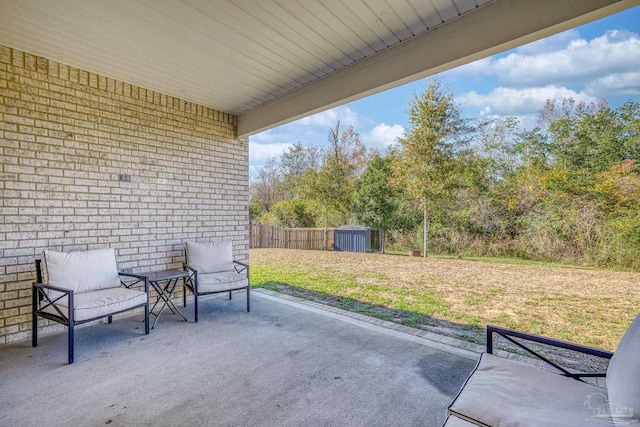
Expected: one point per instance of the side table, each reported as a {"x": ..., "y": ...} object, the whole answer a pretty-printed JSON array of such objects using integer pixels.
[{"x": 164, "y": 282}]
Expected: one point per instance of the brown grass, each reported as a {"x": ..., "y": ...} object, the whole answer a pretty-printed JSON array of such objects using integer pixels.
[{"x": 588, "y": 306}]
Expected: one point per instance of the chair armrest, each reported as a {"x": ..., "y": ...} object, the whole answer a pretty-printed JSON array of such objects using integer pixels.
[
  {"x": 243, "y": 268},
  {"x": 506, "y": 332},
  {"x": 187, "y": 267},
  {"x": 241, "y": 263},
  {"x": 52, "y": 288},
  {"x": 40, "y": 288},
  {"x": 509, "y": 334},
  {"x": 135, "y": 276}
]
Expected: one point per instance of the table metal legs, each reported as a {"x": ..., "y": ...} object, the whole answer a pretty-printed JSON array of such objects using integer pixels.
[{"x": 164, "y": 295}]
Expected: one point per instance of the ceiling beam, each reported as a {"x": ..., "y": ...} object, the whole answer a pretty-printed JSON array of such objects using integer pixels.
[{"x": 498, "y": 26}]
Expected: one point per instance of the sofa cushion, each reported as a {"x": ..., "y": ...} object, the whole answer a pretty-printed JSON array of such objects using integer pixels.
[
  {"x": 90, "y": 305},
  {"x": 453, "y": 421},
  {"x": 221, "y": 281},
  {"x": 501, "y": 393},
  {"x": 623, "y": 377},
  {"x": 81, "y": 271},
  {"x": 210, "y": 257}
]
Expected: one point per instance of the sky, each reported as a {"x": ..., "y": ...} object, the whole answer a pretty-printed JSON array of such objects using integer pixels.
[{"x": 599, "y": 60}]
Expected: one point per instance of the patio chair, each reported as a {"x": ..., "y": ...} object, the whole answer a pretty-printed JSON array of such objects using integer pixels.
[
  {"x": 211, "y": 270},
  {"x": 501, "y": 392},
  {"x": 73, "y": 288}
]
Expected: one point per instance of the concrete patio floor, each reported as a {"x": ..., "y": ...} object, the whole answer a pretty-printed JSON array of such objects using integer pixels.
[{"x": 283, "y": 364}]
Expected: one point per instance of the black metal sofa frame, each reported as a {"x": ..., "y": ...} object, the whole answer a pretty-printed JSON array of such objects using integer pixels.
[
  {"x": 510, "y": 334},
  {"x": 463, "y": 419},
  {"x": 40, "y": 293}
]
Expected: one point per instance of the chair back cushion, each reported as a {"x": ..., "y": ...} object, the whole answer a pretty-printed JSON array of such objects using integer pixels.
[
  {"x": 81, "y": 271},
  {"x": 623, "y": 375},
  {"x": 210, "y": 257}
]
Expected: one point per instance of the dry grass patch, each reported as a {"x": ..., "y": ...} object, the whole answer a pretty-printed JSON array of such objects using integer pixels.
[{"x": 458, "y": 296}]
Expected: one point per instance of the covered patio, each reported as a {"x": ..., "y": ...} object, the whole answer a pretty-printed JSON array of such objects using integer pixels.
[
  {"x": 125, "y": 125},
  {"x": 283, "y": 364}
]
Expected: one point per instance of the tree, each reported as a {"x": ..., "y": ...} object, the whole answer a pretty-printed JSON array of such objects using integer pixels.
[
  {"x": 290, "y": 213},
  {"x": 532, "y": 148},
  {"x": 329, "y": 187},
  {"x": 376, "y": 201},
  {"x": 591, "y": 136},
  {"x": 265, "y": 189},
  {"x": 350, "y": 153},
  {"x": 294, "y": 162},
  {"x": 498, "y": 147},
  {"x": 605, "y": 138},
  {"x": 425, "y": 159},
  {"x": 629, "y": 114},
  {"x": 332, "y": 186}
]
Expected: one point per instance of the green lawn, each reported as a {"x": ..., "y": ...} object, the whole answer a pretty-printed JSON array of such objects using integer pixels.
[{"x": 458, "y": 297}]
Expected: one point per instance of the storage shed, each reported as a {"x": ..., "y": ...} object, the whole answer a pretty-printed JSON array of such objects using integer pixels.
[{"x": 358, "y": 238}]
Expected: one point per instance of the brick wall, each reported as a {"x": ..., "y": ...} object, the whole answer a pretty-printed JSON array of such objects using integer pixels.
[{"x": 65, "y": 137}]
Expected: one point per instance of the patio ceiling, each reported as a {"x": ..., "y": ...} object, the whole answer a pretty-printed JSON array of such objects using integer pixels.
[{"x": 272, "y": 61}]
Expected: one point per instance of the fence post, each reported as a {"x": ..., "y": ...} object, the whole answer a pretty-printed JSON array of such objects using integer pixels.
[{"x": 262, "y": 236}]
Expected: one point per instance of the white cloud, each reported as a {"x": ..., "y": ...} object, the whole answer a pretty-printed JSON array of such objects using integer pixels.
[
  {"x": 311, "y": 129},
  {"x": 504, "y": 101},
  {"x": 260, "y": 153},
  {"x": 561, "y": 59},
  {"x": 488, "y": 66},
  {"x": 624, "y": 84},
  {"x": 473, "y": 69},
  {"x": 328, "y": 119},
  {"x": 553, "y": 43},
  {"x": 382, "y": 135},
  {"x": 269, "y": 137},
  {"x": 579, "y": 61}
]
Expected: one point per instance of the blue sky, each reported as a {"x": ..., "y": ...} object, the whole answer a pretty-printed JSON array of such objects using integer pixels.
[{"x": 600, "y": 60}]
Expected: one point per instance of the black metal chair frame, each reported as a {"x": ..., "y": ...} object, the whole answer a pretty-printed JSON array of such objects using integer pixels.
[
  {"x": 511, "y": 334},
  {"x": 191, "y": 282},
  {"x": 40, "y": 293}
]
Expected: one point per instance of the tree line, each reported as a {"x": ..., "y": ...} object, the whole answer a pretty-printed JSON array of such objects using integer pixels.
[{"x": 566, "y": 191}]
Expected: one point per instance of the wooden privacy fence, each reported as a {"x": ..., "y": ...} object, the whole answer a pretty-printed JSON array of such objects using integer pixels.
[{"x": 270, "y": 236}]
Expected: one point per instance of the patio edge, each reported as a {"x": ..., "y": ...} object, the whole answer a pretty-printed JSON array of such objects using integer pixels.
[{"x": 428, "y": 339}]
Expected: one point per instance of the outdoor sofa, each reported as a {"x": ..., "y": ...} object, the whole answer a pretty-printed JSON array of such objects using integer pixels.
[
  {"x": 79, "y": 287},
  {"x": 501, "y": 392},
  {"x": 211, "y": 270}
]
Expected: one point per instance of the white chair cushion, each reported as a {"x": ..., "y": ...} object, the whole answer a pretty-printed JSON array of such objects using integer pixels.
[
  {"x": 221, "y": 281},
  {"x": 504, "y": 393},
  {"x": 81, "y": 271},
  {"x": 623, "y": 375},
  {"x": 100, "y": 303},
  {"x": 210, "y": 257}
]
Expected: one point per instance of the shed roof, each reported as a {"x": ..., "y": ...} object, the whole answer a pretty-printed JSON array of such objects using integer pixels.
[{"x": 353, "y": 228}]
